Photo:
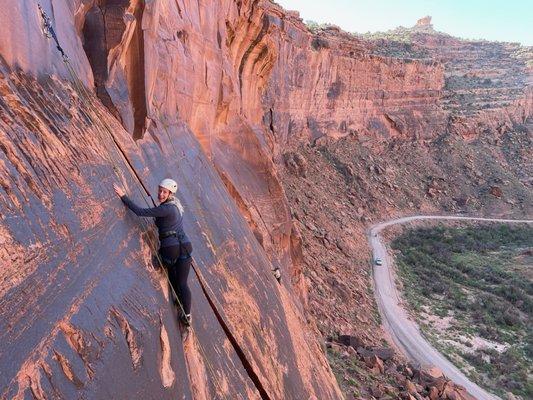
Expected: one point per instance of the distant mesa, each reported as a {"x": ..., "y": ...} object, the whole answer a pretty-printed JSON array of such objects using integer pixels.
[{"x": 424, "y": 22}]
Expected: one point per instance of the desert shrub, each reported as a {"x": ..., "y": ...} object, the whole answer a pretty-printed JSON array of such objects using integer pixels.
[{"x": 471, "y": 272}]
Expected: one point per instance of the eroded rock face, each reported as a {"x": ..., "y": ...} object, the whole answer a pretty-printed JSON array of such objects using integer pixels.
[
  {"x": 487, "y": 85},
  {"x": 335, "y": 84},
  {"x": 330, "y": 85},
  {"x": 213, "y": 94},
  {"x": 84, "y": 311},
  {"x": 114, "y": 43},
  {"x": 250, "y": 80}
]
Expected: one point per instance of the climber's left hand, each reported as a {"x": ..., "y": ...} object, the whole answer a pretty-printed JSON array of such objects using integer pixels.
[{"x": 118, "y": 190}]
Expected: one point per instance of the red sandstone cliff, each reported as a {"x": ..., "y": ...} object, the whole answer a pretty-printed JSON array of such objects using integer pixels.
[
  {"x": 83, "y": 310},
  {"x": 214, "y": 95}
]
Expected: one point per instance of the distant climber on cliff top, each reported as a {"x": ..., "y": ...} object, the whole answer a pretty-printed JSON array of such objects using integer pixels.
[{"x": 175, "y": 247}]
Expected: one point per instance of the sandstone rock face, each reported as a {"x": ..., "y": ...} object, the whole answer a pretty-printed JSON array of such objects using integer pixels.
[
  {"x": 84, "y": 311},
  {"x": 487, "y": 85},
  {"x": 214, "y": 94},
  {"x": 22, "y": 24},
  {"x": 201, "y": 66},
  {"x": 334, "y": 84},
  {"x": 352, "y": 92}
]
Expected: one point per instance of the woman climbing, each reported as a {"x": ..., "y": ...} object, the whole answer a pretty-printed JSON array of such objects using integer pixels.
[{"x": 175, "y": 247}]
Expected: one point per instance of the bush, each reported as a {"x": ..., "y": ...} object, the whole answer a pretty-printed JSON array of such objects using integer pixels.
[{"x": 470, "y": 271}]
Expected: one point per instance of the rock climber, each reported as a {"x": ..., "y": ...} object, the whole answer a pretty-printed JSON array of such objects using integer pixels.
[{"x": 175, "y": 247}]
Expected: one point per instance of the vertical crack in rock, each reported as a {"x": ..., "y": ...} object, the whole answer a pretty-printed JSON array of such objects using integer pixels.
[
  {"x": 95, "y": 46},
  {"x": 167, "y": 373},
  {"x": 135, "y": 350},
  {"x": 134, "y": 68},
  {"x": 238, "y": 349}
]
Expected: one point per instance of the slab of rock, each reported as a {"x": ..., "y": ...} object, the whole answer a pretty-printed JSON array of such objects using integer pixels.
[{"x": 374, "y": 363}]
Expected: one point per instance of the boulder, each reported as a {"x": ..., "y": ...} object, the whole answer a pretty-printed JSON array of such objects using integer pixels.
[
  {"x": 385, "y": 353},
  {"x": 432, "y": 374},
  {"x": 496, "y": 191},
  {"x": 364, "y": 352},
  {"x": 410, "y": 387},
  {"x": 374, "y": 363},
  {"x": 433, "y": 393}
]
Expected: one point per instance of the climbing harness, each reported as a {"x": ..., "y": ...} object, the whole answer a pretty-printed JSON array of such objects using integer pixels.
[{"x": 167, "y": 234}]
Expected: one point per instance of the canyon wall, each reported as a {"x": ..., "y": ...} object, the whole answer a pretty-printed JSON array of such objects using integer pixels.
[
  {"x": 330, "y": 85},
  {"x": 214, "y": 95},
  {"x": 85, "y": 310},
  {"x": 251, "y": 81}
]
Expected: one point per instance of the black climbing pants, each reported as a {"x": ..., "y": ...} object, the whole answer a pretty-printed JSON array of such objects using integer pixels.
[{"x": 178, "y": 267}]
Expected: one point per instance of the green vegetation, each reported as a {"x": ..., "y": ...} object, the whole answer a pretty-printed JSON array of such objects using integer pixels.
[
  {"x": 315, "y": 27},
  {"x": 355, "y": 379},
  {"x": 400, "y": 34},
  {"x": 471, "y": 289},
  {"x": 347, "y": 370}
]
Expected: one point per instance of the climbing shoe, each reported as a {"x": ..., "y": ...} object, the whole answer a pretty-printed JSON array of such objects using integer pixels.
[{"x": 185, "y": 332}]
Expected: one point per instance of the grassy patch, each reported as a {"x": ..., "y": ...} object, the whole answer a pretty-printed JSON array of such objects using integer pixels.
[
  {"x": 348, "y": 372},
  {"x": 479, "y": 277}
]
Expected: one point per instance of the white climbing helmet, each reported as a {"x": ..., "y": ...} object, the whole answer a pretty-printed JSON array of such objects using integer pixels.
[{"x": 169, "y": 184}]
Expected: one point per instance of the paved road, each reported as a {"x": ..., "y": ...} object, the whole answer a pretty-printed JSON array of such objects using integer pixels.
[{"x": 404, "y": 331}]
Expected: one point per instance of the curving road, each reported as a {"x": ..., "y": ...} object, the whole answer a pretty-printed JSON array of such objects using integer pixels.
[{"x": 403, "y": 330}]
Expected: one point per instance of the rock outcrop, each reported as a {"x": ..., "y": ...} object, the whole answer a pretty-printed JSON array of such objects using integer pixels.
[
  {"x": 424, "y": 22},
  {"x": 399, "y": 380},
  {"x": 487, "y": 85}
]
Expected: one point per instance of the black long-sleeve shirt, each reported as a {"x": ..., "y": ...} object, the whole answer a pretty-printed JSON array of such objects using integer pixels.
[{"x": 168, "y": 217}]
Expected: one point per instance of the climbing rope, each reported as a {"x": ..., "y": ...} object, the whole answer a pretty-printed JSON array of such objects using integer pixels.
[
  {"x": 85, "y": 98},
  {"x": 100, "y": 121}
]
